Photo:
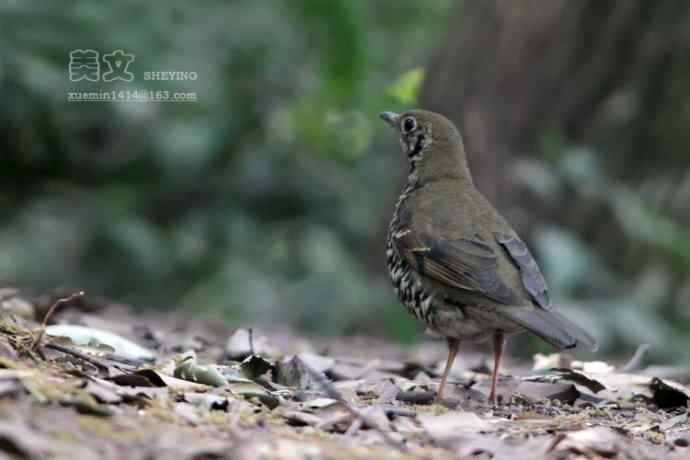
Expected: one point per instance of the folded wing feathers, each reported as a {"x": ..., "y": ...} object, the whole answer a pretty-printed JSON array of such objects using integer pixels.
[{"x": 532, "y": 279}]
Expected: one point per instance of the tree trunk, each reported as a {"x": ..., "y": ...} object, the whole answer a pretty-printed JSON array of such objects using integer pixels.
[{"x": 510, "y": 71}]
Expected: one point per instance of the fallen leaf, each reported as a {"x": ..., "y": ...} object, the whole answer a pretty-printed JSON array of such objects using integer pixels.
[
  {"x": 176, "y": 384},
  {"x": 301, "y": 418},
  {"x": 681, "y": 419},
  {"x": 206, "y": 374},
  {"x": 452, "y": 424},
  {"x": 599, "y": 441},
  {"x": 416, "y": 397},
  {"x": 320, "y": 403},
  {"x": 92, "y": 348},
  {"x": 506, "y": 387},
  {"x": 86, "y": 404},
  {"x": 7, "y": 351},
  {"x": 668, "y": 395},
  {"x": 104, "y": 391},
  {"x": 253, "y": 390},
  {"x": 81, "y": 335},
  {"x": 140, "y": 378},
  {"x": 292, "y": 372},
  {"x": 536, "y": 391},
  {"x": 383, "y": 391},
  {"x": 255, "y": 366},
  {"x": 151, "y": 378},
  {"x": 580, "y": 378},
  {"x": 376, "y": 418},
  {"x": 10, "y": 388}
]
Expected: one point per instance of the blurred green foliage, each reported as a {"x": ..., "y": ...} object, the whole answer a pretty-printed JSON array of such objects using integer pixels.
[{"x": 260, "y": 200}]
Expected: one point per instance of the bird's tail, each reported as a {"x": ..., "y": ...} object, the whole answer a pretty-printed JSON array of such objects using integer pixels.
[{"x": 551, "y": 326}]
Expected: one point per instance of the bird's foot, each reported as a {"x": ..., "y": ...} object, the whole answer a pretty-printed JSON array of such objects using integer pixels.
[{"x": 495, "y": 400}]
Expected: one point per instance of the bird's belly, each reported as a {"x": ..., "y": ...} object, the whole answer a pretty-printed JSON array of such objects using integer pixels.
[{"x": 470, "y": 323}]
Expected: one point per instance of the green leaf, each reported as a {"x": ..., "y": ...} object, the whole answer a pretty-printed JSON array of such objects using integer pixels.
[
  {"x": 206, "y": 374},
  {"x": 406, "y": 88}
]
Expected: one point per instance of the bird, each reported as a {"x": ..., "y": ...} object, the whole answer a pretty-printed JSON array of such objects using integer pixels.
[{"x": 455, "y": 263}]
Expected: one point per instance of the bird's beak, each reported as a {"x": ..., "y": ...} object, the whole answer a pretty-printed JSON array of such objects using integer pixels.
[{"x": 391, "y": 118}]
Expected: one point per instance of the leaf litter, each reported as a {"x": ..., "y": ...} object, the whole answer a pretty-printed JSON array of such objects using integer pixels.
[{"x": 108, "y": 383}]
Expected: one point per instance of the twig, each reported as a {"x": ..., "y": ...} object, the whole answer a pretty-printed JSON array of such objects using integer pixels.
[
  {"x": 50, "y": 312},
  {"x": 333, "y": 393},
  {"x": 397, "y": 412},
  {"x": 251, "y": 341},
  {"x": 416, "y": 397},
  {"x": 78, "y": 354},
  {"x": 354, "y": 427},
  {"x": 635, "y": 363}
]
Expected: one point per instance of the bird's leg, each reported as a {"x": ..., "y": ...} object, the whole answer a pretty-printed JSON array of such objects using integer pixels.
[
  {"x": 453, "y": 347},
  {"x": 499, "y": 342}
]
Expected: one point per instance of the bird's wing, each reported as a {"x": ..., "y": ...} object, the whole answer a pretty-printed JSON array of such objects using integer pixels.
[{"x": 469, "y": 264}]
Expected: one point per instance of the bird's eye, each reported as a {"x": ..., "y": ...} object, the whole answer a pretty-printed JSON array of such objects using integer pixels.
[{"x": 409, "y": 124}]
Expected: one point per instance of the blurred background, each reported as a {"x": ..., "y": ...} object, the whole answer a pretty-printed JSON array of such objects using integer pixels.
[{"x": 267, "y": 199}]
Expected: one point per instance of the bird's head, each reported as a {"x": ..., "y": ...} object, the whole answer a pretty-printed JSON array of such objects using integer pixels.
[{"x": 431, "y": 143}]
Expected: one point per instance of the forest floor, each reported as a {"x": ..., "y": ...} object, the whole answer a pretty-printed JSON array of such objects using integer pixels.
[{"x": 103, "y": 382}]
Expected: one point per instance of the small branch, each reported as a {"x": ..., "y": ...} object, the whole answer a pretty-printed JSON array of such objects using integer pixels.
[
  {"x": 635, "y": 363},
  {"x": 50, "y": 312},
  {"x": 397, "y": 412},
  {"x": 333, "y": 393},
  {"x": 251, "y": 341},
  {"x": 354, "y": 428},
  {"x": 77, "y": 354}
]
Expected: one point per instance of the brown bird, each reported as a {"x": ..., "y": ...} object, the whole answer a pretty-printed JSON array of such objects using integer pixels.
[{"x": 455, "y": 263}]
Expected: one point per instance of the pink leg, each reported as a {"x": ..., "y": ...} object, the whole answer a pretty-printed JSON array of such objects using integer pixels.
[
  {"x": 453, "y": 347},
  {"x": 499, "y": 342}
]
